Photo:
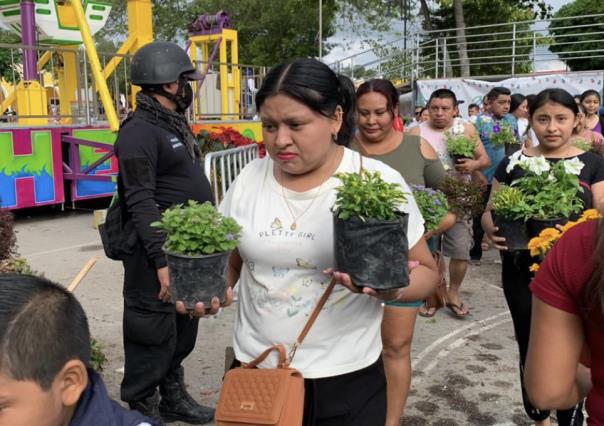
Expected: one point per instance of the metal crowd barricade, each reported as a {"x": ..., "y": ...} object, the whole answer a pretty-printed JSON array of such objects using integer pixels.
[{"x": 222, "y": 167}]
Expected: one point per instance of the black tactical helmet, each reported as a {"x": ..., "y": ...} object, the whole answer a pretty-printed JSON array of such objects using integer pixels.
[{"x": 161, "y": 62}]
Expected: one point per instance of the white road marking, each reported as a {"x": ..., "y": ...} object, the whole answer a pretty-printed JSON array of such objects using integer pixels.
[
  {"x": 430, "y": 348},
  {"x": 57, "y": 250},
  {"x": 455, "y": 344}
]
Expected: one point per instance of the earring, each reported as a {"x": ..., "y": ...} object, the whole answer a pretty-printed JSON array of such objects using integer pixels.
[{"x": 334, "y": 137}]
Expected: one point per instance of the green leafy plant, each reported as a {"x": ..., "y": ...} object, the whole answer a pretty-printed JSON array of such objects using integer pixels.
[
  {"x": 583, "y": 144},
  {"x": 16, "y": 264},
  {"x": 367, "y": 196},
  {"x": 501, "y": 135},
  {"x": 461, "y": 146},
  {"x": 432, "y": 204},
  {"x": 511, "y": 203},
  {"x": 464, "y": 197},
  {"x": 551, "y": 188},
  {"x": 194, "y": 229},
  {"x": 97, "y": 355}
]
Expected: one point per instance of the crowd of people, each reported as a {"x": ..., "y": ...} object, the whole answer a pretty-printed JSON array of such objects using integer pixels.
[{"x": 356, "y": 359}]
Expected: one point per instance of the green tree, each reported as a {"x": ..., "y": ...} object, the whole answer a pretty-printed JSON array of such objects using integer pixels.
[
  {"x": 488, "y": 51},
  {"x": 170, "y": 19},
  {"x": 269, "y": 31},
  {"x": 9, "y": 57},
  {"x": 579, "y": 34},
  {"x": 273, "y": 31}
]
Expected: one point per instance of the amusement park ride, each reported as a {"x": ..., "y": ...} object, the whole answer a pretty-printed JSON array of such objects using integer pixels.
[{"x": 52, "y": 158}]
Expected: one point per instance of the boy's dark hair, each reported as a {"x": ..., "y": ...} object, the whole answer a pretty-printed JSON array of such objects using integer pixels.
[
  {"x": 42, "y": 326},
  {"x": 315, "y": 85},
  {"x": 475, "y": 106},
  {"x": 495, "y": 92},
  {"x": 383, "y": 87},
  {"x": 443, "y": 94}
]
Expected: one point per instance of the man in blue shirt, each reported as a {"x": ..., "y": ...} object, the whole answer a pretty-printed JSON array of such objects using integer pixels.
[
  {"x": 498, "y": 102},
  {"x": 499, "y": 99}
]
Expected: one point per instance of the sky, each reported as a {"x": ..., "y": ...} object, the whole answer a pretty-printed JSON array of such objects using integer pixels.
[{"x": 349, "y": 44}]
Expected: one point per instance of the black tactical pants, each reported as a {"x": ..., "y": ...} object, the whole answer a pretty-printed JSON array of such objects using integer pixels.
[{"x": 156, "y": 338}]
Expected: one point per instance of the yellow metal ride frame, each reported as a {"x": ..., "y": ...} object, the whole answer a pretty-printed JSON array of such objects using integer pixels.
[{"x": 230, "y": 78}]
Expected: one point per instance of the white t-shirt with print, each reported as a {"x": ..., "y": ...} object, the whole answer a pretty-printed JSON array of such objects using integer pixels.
[{"x": 282, "y": 275}]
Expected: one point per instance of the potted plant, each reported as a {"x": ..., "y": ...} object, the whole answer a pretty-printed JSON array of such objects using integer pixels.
[
  {"x": 540, "y": 245},
  {"x": 583, "y": 144},
  {"x": 510, "y": 213},
  {"x": 552, "y": 190},
  {"x": 502, "y": 135},
  {"x": 432, "y": 204},
  {"x": 199, "y": 240},
  {"x": 459, "y": 147},
  {"x": 464, "y": 196},
  {"x": 370, "y": 231},
  {"x": 223, "y": 138}
]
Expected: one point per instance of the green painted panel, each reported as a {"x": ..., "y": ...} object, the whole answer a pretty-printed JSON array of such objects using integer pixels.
[
  {"x": 11, "y": 13},
  {"x": 40, "y": 159},
  {"x": 87, "y": 154},
  {"x": 43, "y": 12},
  {"x": 96, "y": 17}
]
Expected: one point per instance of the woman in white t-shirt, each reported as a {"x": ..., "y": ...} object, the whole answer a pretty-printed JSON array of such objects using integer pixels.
[{"x": 283, "y": 203}]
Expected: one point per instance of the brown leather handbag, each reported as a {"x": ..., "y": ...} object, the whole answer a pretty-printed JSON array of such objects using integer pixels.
[{"x": 266, "y": 396}]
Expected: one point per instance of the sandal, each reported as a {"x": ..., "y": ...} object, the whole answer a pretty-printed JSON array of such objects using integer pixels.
[
  {"x": 458, "y": 310},
  {"x": 426, "y": 313}
]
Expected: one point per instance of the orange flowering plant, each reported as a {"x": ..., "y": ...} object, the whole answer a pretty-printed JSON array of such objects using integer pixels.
[{"x": 541, "y": 244}]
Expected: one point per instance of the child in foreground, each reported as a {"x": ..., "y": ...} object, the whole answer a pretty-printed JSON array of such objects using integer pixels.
[{"x": 45, "y": 377}]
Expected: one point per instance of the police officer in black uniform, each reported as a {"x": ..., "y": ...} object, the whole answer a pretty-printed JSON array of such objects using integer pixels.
[{"x": 159, "y": 166}]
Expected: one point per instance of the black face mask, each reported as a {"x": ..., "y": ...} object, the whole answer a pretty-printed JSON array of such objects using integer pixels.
[{"x": 183, "y": 97}]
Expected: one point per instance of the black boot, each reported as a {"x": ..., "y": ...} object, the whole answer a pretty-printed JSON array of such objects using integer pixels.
[
  {"x": 176, "y": 403},
  {"x": 149, "y": 407}
]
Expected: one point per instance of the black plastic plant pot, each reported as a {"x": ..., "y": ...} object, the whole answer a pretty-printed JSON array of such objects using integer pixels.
[
  {"x": 535, "y": 226},
  {"x": 514, "y": 232},
  {"x": 197, "y": 278},
  {"x": 511, "y": 148},
  {"x": 456, "y": 158},
  {"x": 374, "y": 253}
]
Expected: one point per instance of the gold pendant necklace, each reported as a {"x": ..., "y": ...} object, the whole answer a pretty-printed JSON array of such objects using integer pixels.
[{"x": 295, "y": 219}]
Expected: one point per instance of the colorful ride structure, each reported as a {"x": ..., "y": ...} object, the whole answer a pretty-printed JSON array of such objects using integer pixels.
[{"x": 60, "y": 111}]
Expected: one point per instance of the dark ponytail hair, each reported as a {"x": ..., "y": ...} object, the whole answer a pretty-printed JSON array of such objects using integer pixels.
[
  {"x": 383, "y": 87},
  {"x": 349, "y": 106},
  {"x": 315, "y": 85},
  {"x": 555, "y": 95},
  {"x": 593, "y": 292}
]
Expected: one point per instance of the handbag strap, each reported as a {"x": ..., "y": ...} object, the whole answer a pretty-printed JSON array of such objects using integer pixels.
[
  {"x": 284, "y": 361},
  {"x": 276, "y": 347},
  {"x": 311, "y": 320}
]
